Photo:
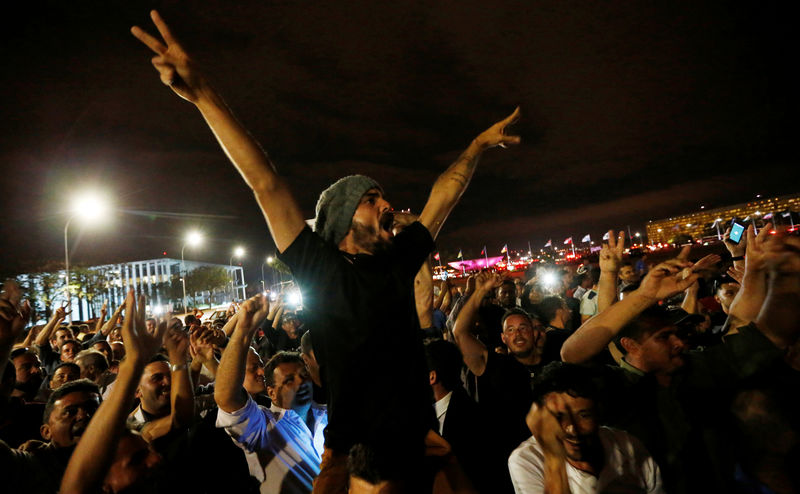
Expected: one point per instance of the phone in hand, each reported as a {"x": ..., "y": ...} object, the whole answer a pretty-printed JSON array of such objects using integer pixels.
[{"x": 737, "y": 229}]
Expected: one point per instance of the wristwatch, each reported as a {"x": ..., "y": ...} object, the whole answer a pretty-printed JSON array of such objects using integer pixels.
[{"x": 177, "y": 367}]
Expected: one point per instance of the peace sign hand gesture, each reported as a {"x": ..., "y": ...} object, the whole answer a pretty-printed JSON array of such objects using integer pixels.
[{"x": 176, "y": 68}]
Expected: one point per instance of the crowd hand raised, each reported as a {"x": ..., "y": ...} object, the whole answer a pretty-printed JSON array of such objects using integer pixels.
[
  {"x": 756, "y": 259},
  {"x": 251, "y": 314},
  {"x": 736, "y": 273},
  {"x": 611, "y": 253},
  {"x": 176, "y": 341},
  {"x": 14, "y": 314},
  {"x": 201, "y": 347},
  {"x": 487, "y": 280},
  {"x": 140, "y": 344},
  {"x": 173, "y": 64},
  {"x": 470, "y": 285},
  {"x": 782, "y": 255},
  {"x": 735, "y": 249},
  {"x": 496, "y": 134},
  {"x": 670, "y": 277},
  {"x": 62, "y": 312}
]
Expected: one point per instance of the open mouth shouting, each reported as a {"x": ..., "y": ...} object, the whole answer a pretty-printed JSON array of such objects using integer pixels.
[{"x": 387, "y": 221}]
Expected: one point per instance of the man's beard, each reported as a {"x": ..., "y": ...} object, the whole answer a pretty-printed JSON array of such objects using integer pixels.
[
  {"x": 368, "y": 238},
  {"x": 29, "y": 387}
]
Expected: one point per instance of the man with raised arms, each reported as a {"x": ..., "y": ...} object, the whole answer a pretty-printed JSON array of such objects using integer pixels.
[{"x": 357, "y": 278}]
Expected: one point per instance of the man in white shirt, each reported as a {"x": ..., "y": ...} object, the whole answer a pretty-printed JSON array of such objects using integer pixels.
[
  {"x": 568, "y": 452},
  {"x": 283, "y": 444}
]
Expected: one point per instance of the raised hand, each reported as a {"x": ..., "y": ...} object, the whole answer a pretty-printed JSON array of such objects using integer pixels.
[
  {"x": 176, "y": 341},
  {"x": 736, "y": 273},
  {"x": 611, "y": 253},
  {"x": 496, "y": 134},
  {"x": 202, "y": 348},
  {"x": 62, "y": 312},
  {"x": 251, "y": 313},
  {"x": 173, "y": 64},
  {"x": 734, "y": 248},
  {"x": 140, "y": 344},
  {"x": 668, "y": 278},
  {"x": 756, "y": 258},
  {"x": 14, "y": 314},
  {"x": 487, "y": 280}
]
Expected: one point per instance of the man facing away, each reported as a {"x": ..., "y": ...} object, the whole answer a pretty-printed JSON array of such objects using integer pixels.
[{"x": 366, "y": 327}]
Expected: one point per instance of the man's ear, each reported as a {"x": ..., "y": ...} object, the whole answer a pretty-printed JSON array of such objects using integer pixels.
[
  {"x": 272, "y": 392},
  {"x": 432, "y": 378},
  {"x": 44, "y": 430},
  {"x": 629, "y": 344},
  {"x": 138, "y": 393}
]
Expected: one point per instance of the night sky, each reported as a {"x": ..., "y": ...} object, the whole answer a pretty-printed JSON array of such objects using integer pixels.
[{"x": 631, "y": 111}]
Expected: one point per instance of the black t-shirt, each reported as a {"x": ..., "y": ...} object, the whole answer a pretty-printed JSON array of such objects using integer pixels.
[
  {"x": 504, "y": 392},
  {"x": 367, "y": 338}
]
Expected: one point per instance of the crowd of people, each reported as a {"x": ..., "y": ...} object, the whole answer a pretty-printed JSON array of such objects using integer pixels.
[{"x": 604, "y": 377}]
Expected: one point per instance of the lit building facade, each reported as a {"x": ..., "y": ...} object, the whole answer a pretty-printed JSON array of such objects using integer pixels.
[
  {"x": 158, "y": 279},
  {"x": 711, "y": 222}
]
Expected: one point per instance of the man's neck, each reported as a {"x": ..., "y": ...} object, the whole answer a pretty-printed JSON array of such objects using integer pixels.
[
  {"x": 663, "y": 379},
  {"x": 556, "y": 323},
  {"x": 534, "y": 358}
]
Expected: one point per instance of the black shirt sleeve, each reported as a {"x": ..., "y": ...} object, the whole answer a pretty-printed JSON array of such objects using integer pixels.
[{"x": 412, "y": 246}]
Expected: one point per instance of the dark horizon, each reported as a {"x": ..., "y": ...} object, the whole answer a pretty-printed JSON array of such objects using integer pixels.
[{"x": 630, "y": 114}]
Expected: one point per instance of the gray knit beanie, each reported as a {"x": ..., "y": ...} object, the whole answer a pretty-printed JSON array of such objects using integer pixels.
[{"x": 338, "y": 203}]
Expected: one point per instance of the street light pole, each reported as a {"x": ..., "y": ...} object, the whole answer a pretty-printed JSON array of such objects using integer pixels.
[
  {"x": 183, "y": 275},
  {"x": 66, "y": 264}
]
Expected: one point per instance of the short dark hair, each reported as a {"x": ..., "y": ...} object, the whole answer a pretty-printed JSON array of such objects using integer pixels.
[
  {"x": 93, "y": 357},
  {"x": 77, "y": 386},
  {"x": 561, "y": 377},
  {"x": 61, "y": 328},
  {"x": 282, "y": 357},
  {"x": 74, "y": 342},
  {"x": 548, "y": 307},
  {"x": 17, "y": 352},
  {"x": 515, "y": 311},
  {"x": 72, "y": 365},
  {"x": 189, "y": 319},
  {"x": 445, "y": 359}
]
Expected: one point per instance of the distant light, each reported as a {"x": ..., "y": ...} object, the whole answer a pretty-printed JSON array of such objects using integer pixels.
[
  {"x": 702, "y": 207},
  {"x": 688, "y": 224},
  {"x": 659, "y": 230},
  {"x": 718, "y": 219},
  {"x": 270, "y": 259},
  {"x": 238, "y": 251},
  {"x": 90, "y": 206},
  {"x": 194, "y": 238},
  {"x": 264, "y": 293},
  {"x": 638, "y": 234},
  {"x": 549, "y": 279},
  {"x": 164, "y": 253},
  {"x": 758, "y": 213},
  {"x": 157, "y": 310}
]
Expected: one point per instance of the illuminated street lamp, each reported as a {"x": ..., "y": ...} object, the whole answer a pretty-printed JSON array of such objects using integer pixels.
[
  {"x": 237, "y": 252},
  {"x": 89, "y": 208},
  {"x": 716, "y": 224},
  {"x": 193, "y": 239}
]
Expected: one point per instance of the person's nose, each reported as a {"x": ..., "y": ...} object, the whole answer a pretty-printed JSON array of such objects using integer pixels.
[{"x": 678, "y": 343}]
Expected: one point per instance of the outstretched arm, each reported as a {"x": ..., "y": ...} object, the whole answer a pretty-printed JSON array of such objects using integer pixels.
[
  {"x": 44, "y": 335},
  {"x": 93, "y": 455},
  {"x": 177, "y": 70},
  {"x": 663, "y": 281},
  {"x": 451, "y": 184},
  {"x": 14, "y": 314},
  {"x": 779, "y": 314},
  {"x": 228, "y": 391},
  {"x": 610, "y": 262},
  {"x": 474, "y": 351},
  {"x": 750, "y": 298}
]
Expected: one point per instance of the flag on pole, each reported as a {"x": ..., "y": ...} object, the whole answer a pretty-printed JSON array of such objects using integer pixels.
[
  {"x": 436, "y": 256},
  {"x": 767, "y": 216},
  {"x": 786, "y": 214},
  {"x": 568, "y": 241},
  {"x": 587, "y": 238},
  {"x": 504, "y": 249},
  {"x": 549, "y": 243},
  {"x": 605, "y": 236},
  {"x": 483, "y": 252},
  {"x": 460, "y": 255}
]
